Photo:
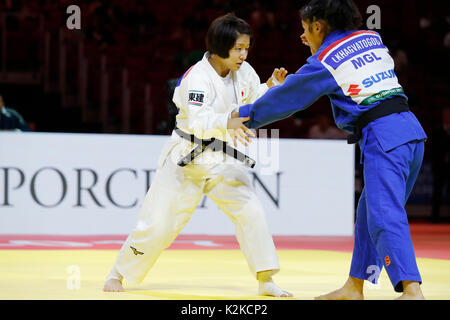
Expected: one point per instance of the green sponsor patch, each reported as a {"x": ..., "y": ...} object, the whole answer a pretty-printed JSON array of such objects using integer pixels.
[{"x": 381, "y": 95}]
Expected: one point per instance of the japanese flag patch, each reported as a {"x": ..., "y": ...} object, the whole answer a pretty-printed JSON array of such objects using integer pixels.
[{"x": 196, "y": 97}]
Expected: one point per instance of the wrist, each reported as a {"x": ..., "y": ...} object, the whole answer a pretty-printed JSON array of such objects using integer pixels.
[
  {"x": 244, "y": 111},
  {"x": 275, "y": 82}
]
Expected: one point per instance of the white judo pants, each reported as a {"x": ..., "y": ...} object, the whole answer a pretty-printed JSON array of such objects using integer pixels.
[{"x": 172, "y": 199}]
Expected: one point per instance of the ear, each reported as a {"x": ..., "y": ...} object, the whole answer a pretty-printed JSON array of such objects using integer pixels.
[{"x": 317, "y": 26}]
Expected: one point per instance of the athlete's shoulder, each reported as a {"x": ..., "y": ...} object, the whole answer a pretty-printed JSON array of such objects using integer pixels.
[
  {"x": 246, "y": 68},
  {"x": 196, "y": 73},
  {"x": 340, "y": 47}
]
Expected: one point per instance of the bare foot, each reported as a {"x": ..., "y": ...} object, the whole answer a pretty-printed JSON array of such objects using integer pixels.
[
  {"x": 113, "y": 285},
  {"x": 271, "y": 289},
  {"x": 406, "y": 296},
  {"x": 341, "y": 294},
  {"x": 352, "y": 290},
  {"x": 411, "y": 291}
]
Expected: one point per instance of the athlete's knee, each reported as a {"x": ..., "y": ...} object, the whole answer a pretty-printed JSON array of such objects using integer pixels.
[
  {"x": 252, "y": 211},
  {"x": 151, "y": 232}
]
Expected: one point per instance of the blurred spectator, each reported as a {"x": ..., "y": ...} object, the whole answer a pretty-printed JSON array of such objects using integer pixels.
[
  {"x": 440, "y": 150},
  {"x": 404, "y": 73},
  {"x": 102, "y": 23},
  {"x": 189, "y": 55},
  {"x": 401, "y": 60},
  {"x": 10, "y": 119},
  {"x": 262, "y": 18},
  {"x": 324, "y": 129},
  {"x": 214, "y": 8},
  {"x": 286, "y": 17},
  {"x": 10, "y": 5},
  {"x": 142, "y": 19},
  {"x": 196, "y": 21},
  {"x": 447, "y": 40},
  {"x": 171, "y": 38}
]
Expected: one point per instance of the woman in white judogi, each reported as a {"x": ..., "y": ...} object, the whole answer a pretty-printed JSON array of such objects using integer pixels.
[{"x": 206, "y": 95}]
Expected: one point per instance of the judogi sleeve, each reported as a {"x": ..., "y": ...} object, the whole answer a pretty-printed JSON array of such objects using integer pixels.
[
  {"x": 298, "y": 92},
  {"x": 196, "y": 99},
  {"x": 258, "y": 89}
]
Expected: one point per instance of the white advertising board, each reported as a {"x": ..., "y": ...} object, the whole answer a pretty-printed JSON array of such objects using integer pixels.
[{"x": 93, "y": 184}]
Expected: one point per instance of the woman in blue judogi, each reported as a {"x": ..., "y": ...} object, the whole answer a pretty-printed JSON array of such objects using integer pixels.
[{"x": 354, "y": 69}]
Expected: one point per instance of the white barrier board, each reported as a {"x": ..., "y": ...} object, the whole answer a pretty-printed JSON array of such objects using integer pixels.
[{"x": 93, "y": 184}]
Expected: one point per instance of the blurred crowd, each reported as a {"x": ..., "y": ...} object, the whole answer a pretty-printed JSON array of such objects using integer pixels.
[
  {"x": 158, "y": 40},
  {"x": 169, "y": 37}
]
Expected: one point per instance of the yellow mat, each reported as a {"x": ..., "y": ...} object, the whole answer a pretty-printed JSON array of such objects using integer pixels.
[{"x": 192, "y": 275}]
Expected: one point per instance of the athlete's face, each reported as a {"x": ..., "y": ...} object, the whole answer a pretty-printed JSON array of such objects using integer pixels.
[
  {"x": 238, "y": 54},
  {"x": 313, "y": 35}
]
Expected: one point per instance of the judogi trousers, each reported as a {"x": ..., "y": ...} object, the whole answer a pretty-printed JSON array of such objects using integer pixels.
[
  {"x": 382, "y": 235},
  {"x": 172, "y": 199}
]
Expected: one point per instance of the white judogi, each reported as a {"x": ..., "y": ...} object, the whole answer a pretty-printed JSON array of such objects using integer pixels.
[{"x": 205, "y": 107}]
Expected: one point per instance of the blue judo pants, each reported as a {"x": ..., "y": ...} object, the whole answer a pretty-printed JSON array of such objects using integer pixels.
[{"x": 382, "y": 235}]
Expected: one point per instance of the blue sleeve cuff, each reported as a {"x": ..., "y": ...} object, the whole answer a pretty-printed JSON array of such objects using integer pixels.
[{"x": 244, "y": 111}]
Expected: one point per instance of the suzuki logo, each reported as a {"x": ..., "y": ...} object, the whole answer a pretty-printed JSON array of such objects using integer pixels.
[{"x": 353, "y": 89}]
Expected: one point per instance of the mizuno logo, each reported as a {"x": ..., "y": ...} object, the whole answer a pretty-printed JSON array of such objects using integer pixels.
[
  {"x": 353, "y": 89},
  {"x": 136, "y": 252}
]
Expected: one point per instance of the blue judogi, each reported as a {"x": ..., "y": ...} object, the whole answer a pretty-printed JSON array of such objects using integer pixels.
[{"x": 354, "y": 69}]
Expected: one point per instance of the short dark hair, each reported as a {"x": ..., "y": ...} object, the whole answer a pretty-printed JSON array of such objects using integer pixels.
[
  {"x": 223, "y": 33},
  {"x": 339, "y": 14}
]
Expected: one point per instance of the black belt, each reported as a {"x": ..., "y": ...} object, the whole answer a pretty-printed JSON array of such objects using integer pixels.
[
  {"x": 396, "y": 104},
  {"x": 212, "y": 144}
]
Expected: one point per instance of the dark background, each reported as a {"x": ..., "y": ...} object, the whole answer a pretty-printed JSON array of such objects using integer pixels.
[{"x": 116, "y": 73}]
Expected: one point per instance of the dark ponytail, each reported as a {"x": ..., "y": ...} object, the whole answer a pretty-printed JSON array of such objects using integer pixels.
[{"x": 339, "y": 14}]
